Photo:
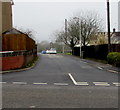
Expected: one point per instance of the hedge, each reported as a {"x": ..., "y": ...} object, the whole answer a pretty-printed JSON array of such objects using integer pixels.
[{"x": 114, "y": 58}]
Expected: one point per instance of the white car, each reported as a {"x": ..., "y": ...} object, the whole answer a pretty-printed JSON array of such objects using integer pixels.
[{"x": 51, "y": 51}]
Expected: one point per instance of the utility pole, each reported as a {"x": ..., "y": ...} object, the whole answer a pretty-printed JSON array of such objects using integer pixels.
[
  {"x": 108, "y": 20},
  {"x": 80, "y": 36},
  {"x": 66, "y": 28},
  {"x": 65, "y": 32}
]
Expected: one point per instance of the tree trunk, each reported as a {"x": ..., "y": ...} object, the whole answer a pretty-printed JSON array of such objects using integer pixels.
[{"x": 72, "y": 48}]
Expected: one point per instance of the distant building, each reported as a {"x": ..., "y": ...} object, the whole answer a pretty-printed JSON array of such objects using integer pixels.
[
  {"x": 5, "y": 15},
  {"x": 102, "y": 38},
  {"x": 115, "y": 39}
]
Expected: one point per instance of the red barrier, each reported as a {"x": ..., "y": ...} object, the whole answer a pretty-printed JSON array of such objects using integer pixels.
[{"x": 13, "y": 62}]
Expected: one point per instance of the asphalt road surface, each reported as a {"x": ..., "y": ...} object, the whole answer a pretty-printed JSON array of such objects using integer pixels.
[{"x": 59, "y": 81}]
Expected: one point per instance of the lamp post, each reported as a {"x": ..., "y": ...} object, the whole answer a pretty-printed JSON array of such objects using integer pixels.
[{"x": 108, "y": 21}]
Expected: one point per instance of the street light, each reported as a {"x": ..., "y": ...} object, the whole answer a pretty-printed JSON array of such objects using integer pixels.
[{"x": 80, "y": 37}]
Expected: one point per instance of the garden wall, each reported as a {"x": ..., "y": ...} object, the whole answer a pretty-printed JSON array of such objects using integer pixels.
[{"x": 96, "y": 51}]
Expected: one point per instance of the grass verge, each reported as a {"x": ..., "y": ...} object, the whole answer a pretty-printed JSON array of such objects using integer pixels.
[
  {"x": 32, "y": 63},
  {"x": 97, "y": 60}
]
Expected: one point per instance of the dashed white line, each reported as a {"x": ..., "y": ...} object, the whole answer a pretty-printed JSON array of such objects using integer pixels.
[
  {"x": 113, "y": 71},
  {"x": 85, "y": 62},
  {"x": 19, "y": 82},
  {"x": 116, "y": 84},
  {"x": 82, "y": 83},
  {"x": 3, "y": 82},
  {"x": 40, "y": 83},
  {"x": 101, "y": 83},
  {"x": 66, "y": 84},
  {"x": 61, "y": 84},
  {"x": 100, "y": 68},
  {"x": 32, "y": 107}
]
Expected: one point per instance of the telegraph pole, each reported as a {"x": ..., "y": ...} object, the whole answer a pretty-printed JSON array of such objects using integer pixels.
[
  {"x": 66, "y": 28},
  {"x": 65, "y": 32},
  {"x": 108, "y": 21}
]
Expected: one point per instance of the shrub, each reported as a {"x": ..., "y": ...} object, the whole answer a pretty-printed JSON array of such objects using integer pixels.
[{"x": 114, "y": 58}]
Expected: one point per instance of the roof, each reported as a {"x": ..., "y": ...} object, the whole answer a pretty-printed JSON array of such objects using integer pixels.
[
  {"x": 13, "y": 31},
  {"x": 6, "y": 51}
]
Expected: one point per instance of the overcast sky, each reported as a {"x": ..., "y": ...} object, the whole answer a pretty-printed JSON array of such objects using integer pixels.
[{"x": 46, "y": 17}]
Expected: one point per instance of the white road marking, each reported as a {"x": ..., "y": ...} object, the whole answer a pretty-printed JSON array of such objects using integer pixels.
[
  {"x": 116, "y": 84},
  {"x": 100, "y": 68},
  {"x": 32, "y": 106},
  {"x": 82, "y": 83},
  {"x": 77, "y": 83},
  {"x": 19, "y": 83},
  {"x": 40, "y": 83},
  {"x": 66, "y": 84},
  {"x": 101, "y": 83},
  {"x": 61, "y": 84},
  {"x": 113, "y": 71},
  {"x": 3, "y": 82},
  {"x": 54, "y": 56},
  {"x": 73, "y": 80},
  {"x": 84, "y": 62}
]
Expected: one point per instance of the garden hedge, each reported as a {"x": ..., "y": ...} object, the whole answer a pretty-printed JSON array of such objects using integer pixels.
[{"x": 114, "y": 58}]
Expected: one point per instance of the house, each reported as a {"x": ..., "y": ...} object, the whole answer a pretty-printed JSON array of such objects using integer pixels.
[
  {"x": 15, "y": 40},
  {"x": 115, "y": 38},
  {"x": 18, "y": 49}
]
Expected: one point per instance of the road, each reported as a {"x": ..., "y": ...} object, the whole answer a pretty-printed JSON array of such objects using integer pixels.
[{"x": 59, "y": 81}]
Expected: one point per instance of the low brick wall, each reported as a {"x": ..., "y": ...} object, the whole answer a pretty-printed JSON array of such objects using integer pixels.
[{"x": 13, "y": 62}]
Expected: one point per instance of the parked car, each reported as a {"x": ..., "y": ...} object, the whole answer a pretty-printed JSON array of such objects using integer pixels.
[
  {"x": 51, "y": 51},
  {"x": 43, "y": 52}
]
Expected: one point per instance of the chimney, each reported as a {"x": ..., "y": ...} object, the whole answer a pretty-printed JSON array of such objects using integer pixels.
[{"x": 113, "y": 30}]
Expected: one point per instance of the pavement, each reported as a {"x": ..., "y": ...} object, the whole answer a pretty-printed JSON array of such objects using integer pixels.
[{"x": 60, "y": 81}]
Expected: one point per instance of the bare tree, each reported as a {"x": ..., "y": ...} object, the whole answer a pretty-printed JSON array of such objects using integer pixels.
[
  {"x": 28, "y": 32},
  {"x": 71, "y": 38},
  {"x": 89, "y": 26},
  {"x": 43, "y": 45}
]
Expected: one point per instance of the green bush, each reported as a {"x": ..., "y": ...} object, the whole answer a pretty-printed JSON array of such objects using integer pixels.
[{"x": 114, "y": 58}]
